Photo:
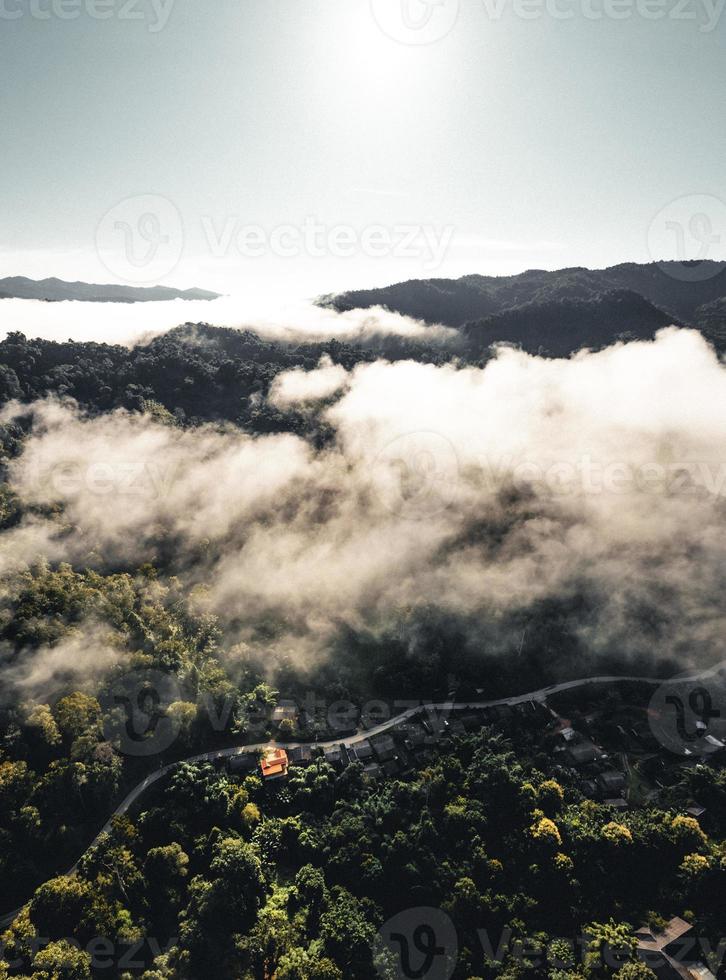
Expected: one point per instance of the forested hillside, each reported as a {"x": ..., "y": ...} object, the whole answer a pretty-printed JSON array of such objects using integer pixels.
[
  {"x": 561, "y": 312},
  {"x": 219, "y": 877},
  {"x": 212, "y": 541},
  {"x": 196, "y": 372}
]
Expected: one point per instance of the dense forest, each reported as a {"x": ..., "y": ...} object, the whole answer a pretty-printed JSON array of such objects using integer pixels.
[
  {"x": 217, "y": 875},
  {"x": 213, "y": 871},
  {"x": 196, "y": 372},
  {"x": 558, "y": 313}
]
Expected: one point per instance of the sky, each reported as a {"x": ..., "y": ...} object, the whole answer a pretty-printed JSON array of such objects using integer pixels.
[{"x": 299, "y": 147}]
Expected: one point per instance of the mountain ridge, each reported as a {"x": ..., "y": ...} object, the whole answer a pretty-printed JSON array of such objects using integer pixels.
[
  {"x": 53, "y": 290},
  {"x": 538, "y": 309}
]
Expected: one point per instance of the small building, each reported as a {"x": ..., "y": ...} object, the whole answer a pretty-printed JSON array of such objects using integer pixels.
[
  {"x": 435, "y": 725},
  {"x": 415, "y": 737},
  {"x": 274, "y": 764},
  {"x": 669, "y": 952},
  {"x": 588, "y": 787},
  {"x": 301, "y": 755},
  {"x": 334, "y": 756},
  {"x": 384, "y": 748},
  {"x": 611, "y": 783},
  {"x": 244, "y": 762},
  {"x": 699, "y": 971},
  {"x": 439, "y": 723},
  {"x": 362, "y": 752},
  {"x": 373, "y": 771},
  {"x": 617, "y": 802},
  {"x": 696, "y": 810},
  {"x": 583, "y": 751}
]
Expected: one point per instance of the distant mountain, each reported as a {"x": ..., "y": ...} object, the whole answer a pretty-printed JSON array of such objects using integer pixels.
[
  {"x": 560, "y": 327},
  {"x": 56, "y": 290},
  {"x": 563, "y": 311},
  {"x": 711, "y": 318}
]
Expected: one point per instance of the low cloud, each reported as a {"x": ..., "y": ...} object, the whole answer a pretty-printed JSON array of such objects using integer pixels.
[
  {"x": 587, "y": 487},
  {"x": 134, "y": 323},
  {"x": 80, "y": 659},
  {"x": 298, "y": 387}
]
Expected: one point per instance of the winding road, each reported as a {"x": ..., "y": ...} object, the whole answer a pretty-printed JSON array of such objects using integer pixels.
[{"x": 539, "y": 695}]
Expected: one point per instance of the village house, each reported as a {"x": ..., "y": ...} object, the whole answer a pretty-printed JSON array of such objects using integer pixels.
[
  {"x": 301, "y": 755},
  {"x": 274, "y": 764},
  {"x": 336, "y": 756},
  {"x": 384, "y": 748},
  {"x": 415, "y": 736},
  {"x": 611, "y": 783},
  {"x": 243, "y": 762},
  {"x": 696, "y": 810},
  {"x": 671, "y": 953},
  {"x": 583, "y": 751},
  {"x": 617, "y": 802},
  {"x": 362, "y": 752}
]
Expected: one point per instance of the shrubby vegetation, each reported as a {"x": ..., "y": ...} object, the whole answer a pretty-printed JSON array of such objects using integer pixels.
[{"x": 234, "y": 879}]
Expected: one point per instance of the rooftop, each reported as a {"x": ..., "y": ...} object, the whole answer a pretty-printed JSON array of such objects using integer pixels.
[
  {"x": 651, "y": 939},
  {"x": 274, "y": 764}
]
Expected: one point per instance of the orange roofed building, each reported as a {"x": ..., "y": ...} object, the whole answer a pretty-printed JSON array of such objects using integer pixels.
[{"x": 274, "y": 764}]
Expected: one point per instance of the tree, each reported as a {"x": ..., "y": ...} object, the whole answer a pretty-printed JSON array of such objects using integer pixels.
[
  {"x": 694, "y": 865},
  {"x": 347, "y": 935},
  {"x": 76, "y": 713},
  {"x": 303, "y": 964},
  {"x": 226, "y": 903},
  {"x": 59, "y": 906},
  {"x": 610, "y": 945},
  {"x": 616, "y": 833},
  {"x": 550, "y": 797},
  {"x": 309, "y": 894},
  {"x": 266, "y": 943},
  {"x": 250, "y": 816},
  {"x": 165, "y": 869},
  {"x": 546, "y": 831},
  {"x": 687, "y": 832},
  {"x": 183, "y": 715},
  {"x": 635, "y": 970},
  {"x": 41, "y": 718},
  {"x": 62, "y": 960}
]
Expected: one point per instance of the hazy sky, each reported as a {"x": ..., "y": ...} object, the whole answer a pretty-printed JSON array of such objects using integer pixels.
[{"x": 139, "y": 139}]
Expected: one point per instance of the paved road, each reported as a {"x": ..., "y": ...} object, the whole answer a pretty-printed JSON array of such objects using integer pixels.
[{"x": 539, "y": 695}]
